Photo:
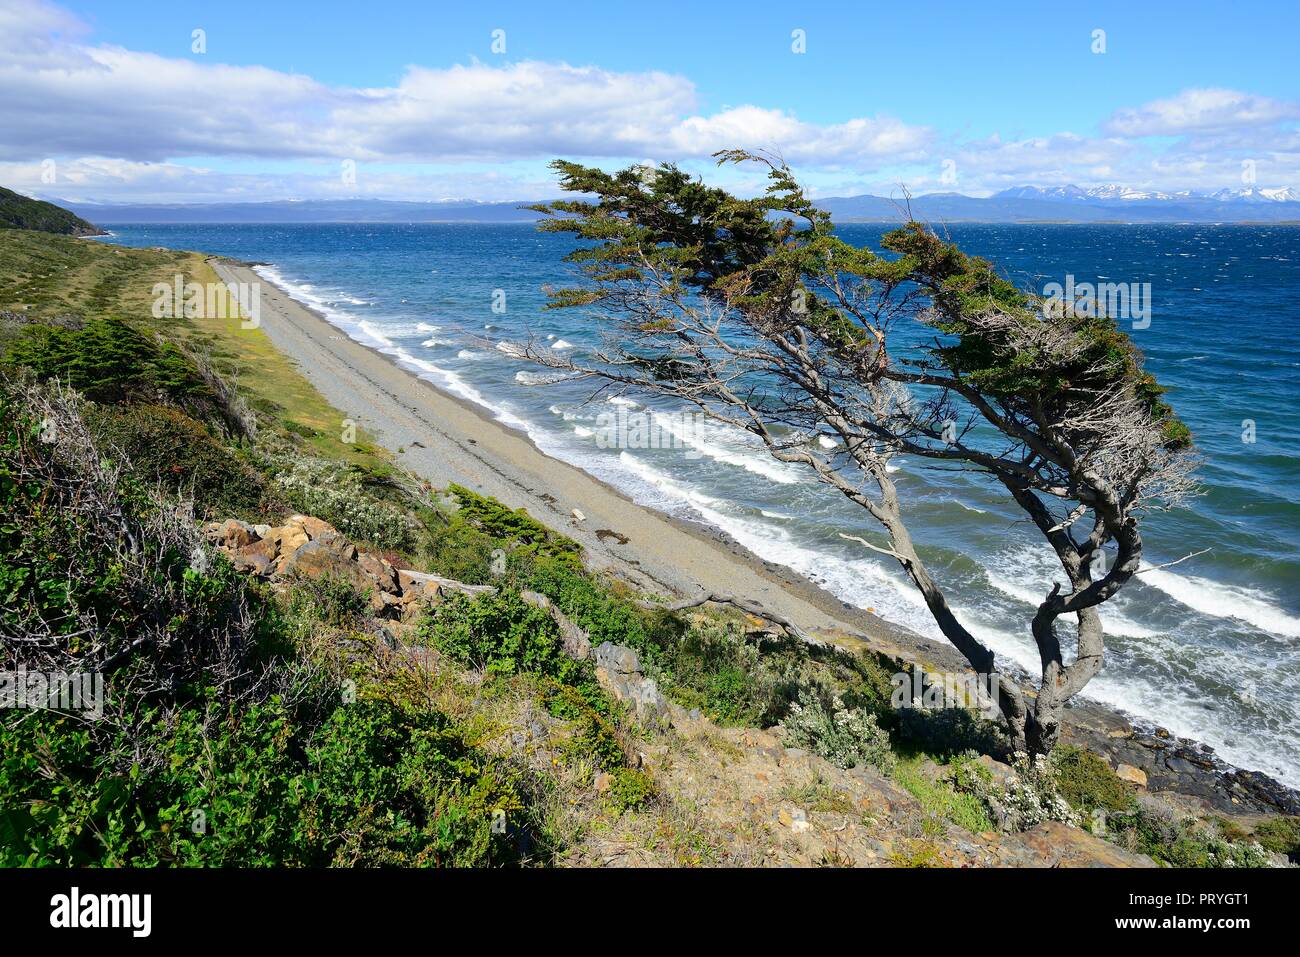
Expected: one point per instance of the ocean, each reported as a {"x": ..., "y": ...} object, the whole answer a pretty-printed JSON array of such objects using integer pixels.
[{"x": 1209, "y": 648}]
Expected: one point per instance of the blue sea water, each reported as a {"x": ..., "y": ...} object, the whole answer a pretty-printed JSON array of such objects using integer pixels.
[{"x": 1209, "y": 648}]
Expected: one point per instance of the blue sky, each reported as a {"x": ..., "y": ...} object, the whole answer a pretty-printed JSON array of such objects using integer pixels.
[{"x": 931, "y": 96}]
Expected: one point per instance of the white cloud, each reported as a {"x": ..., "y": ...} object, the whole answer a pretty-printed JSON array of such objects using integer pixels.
[
  {"x": 123, "y": 124},
  {"x": 61, "y": 97},
  {"x": 873, "y": 139},
  {"x": 1201, "y": 110}
]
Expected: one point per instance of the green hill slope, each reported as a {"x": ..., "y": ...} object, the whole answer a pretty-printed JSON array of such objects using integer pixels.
[{"x": 23, "y": 212}]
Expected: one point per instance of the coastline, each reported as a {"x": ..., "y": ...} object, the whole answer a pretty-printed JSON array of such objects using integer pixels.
[{"x": 444, "y": 438}]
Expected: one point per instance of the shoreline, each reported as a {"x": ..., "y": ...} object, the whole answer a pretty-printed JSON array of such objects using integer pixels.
[{"x": 445, "y": 438}]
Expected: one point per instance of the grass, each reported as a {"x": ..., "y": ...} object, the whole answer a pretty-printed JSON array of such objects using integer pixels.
[
  {"x": 817, "y": 795},
  {"x": 50, "y": 276},
  {"x": 938, "y": 799}
]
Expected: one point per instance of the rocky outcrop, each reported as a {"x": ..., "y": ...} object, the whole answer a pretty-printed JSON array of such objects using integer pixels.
[
  {"x": 618, "y": 670},
  {"x": 791, "y": 807},
  {"x": 307, "y": 547}
]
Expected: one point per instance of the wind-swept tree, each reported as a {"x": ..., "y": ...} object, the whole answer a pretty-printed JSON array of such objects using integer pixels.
[{"x": 755, "y": 312}]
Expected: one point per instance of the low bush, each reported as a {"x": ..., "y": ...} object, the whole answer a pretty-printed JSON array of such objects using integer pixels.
[
  {"x": 1087, "y": 781},
  {"x": 108, "y": 361},
  {"x": 337, "y": 494},
  {"x": 505, "y": 636},
  {"x": 847, "y": 737},
  {"x": 1179, "y": 841},
  {"x": 163, "y": 444},
  {"x": 373, "y": 784},
  {"x": 500, "y": 633},
  {"x": 1280, "y": 835},
  {"x": 516, "y": 528}
]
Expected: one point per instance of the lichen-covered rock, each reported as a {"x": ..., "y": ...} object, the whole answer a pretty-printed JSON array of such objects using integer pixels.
[
  {"x": 232, "y": 533},
  {"x": 317, "y": 560},
  {"x": 257, "y": 557},
  {"x": 1126, "y": 772},
  {"x": 314, "y": 528},
  {"x": 379, "y": 571},
  {"x": 618, "y": 671}
]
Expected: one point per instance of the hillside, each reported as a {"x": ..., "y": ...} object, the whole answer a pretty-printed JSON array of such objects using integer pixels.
[{"x": 22, "y": 212}]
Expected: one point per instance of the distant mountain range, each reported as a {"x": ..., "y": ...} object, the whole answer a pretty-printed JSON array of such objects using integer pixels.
[
  {"x": 1020, "y": 204},
  {"x": 1071, "y": 204}
]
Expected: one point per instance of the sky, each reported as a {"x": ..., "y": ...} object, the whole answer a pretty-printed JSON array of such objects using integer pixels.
[{"x": 184, "y": 101}]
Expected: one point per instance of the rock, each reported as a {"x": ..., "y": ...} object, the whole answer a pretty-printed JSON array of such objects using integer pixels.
[
  {"x": 318, "y": 559},
  {"x": 421, "y": 582},
  {"x": 618, "y": 659},
  {"x": 1059, "y": 845},
  {"x": 384, "y": 604},
  {"x": 1126, "y": 772},
  {"x": 618, "y": 672},
  {"x": 409, "y": 580},
  {"x": 257, "y": 557},
  {"x": 314, "y": 528},
  {"x": 794, "y": 818},
  {"x": 288, "y": 539},
  {"x": 232, "y": 533},
  {"x": 603, "y": 782},
  {"x": 378, "y": 571}
]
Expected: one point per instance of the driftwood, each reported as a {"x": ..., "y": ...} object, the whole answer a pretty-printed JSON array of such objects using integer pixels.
[{"x": 746, "y": 605}]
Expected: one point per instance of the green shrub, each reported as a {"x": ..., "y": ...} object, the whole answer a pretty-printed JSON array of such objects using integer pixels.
[
  {"x": 847, "y": 737},
  {"x": 1179, "y": 841},
  {"x": 505, "y": 635},
  {"x": 630, "y": 789},
  {"x": 1280, "y": 835},
  {"x": 456, "y": 549},
  {"x": 108, "y": 361},
  {"x": 1088, "y": 783},
  {"x": 375, "y": 784},
  {"x": 165, "y": 445},
  {"x": 516, "y": 527},
  {"x": 501, "y": 633}
]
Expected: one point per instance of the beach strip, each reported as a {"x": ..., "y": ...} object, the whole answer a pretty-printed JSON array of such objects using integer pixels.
[{"x": 445, "y": 439}]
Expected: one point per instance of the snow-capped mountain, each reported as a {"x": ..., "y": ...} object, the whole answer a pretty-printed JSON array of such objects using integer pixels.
[
  {"x": 1115, "y": 192},
  {"x": 1254, "y": 194},
  {"x": 1042, "y": 192}
]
